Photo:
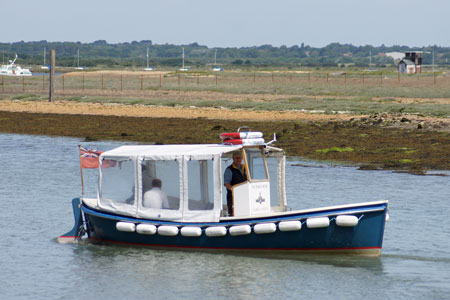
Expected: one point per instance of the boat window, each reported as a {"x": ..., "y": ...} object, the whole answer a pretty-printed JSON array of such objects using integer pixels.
[
  {"x": 272, "y": 166},
  {"x": 200, "y": 185},
  {"x": 118, "y": 181},
  {"x": 255, "y": 161},
  {"x": 161, "y": 184}
]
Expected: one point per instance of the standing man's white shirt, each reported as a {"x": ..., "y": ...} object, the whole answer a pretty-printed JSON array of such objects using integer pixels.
[{"x": 156, "y": 198}]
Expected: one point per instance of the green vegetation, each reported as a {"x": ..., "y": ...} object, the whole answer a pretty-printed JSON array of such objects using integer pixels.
[
  {"x": 102, "y": 54},
  {"x": 335, "y": 149},
  {"x": 405, "y": 161}
]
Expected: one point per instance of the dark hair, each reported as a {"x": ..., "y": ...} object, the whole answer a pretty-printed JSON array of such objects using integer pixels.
[
  {"x": 156, "y": 182},
  {"x": 236, "y": 154}
]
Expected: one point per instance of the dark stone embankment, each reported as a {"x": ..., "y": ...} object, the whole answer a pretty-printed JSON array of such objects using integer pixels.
[{"x": 368, "y": 144}]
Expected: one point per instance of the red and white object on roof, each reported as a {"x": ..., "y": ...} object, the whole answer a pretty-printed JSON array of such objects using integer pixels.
[
  {"x": 247, "y": 142},
  {"x": 241, "y": 135}
]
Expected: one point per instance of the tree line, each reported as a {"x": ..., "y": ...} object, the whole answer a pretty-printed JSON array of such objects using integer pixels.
[{"x": 133, "y": 54}]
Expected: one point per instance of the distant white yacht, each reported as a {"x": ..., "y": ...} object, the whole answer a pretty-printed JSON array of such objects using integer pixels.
[
  {"x": 183, "y": 68},
  {"x": 148, "y": 68},
  {"x": 216, "y": 68},
  {"x": 45, "y": 66},
  {"x": 77, "y": 58},
  {"x": 14, "y": 70}
]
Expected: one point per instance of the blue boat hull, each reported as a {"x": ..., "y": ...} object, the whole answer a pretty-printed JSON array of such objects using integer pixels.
[{"x": 365, "y": 238}]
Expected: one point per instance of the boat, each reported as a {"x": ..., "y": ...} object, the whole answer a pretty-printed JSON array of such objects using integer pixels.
[
  {"x": 193, "y": 216},
  {"x": 77, "y": 60},
  {"x": 45, "y": 66},
  {"x": 183, "y": 68},
  {"x": 216, "y": 68},
  {"x": 148, "y": 68},
  {"x": 12, "y": 69}
]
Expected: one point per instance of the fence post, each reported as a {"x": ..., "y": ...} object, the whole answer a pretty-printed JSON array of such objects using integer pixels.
[
  {"x": 160, "y": 80},
  {"x": 198, "y": 79},
  {"x": 43, "y": 82},
  {"x": 216, "y": 79},
  {"x": 102, "y": 82},
  {"x": 121, "y": 82},
  {"x": 83, "y": 82},
  {"x": 63, "y": 82},
  {"x": 254, "y": 77},
  {"x": 142, "y": 77},
  {"x": 434, "y": 75},
  {"x": 23, "y": 83},
  {"x": 398, "y": 77},
  {"x": 3, "y": 84},
  {"x": 381, "y": 78},
  {"x": 178, "y": 79},
  {"x": 52, "y": 75}
]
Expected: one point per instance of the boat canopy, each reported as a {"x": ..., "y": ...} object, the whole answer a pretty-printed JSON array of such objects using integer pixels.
[{"x": 190, "y": 179}]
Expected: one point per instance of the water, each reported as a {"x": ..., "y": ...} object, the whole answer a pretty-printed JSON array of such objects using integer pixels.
[
  {"x": 40, "y": 175},
  {"x": 45, "y": 74}
]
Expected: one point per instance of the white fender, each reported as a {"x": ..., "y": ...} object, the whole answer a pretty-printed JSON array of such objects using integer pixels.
[
  {"x": 191, "y": 231},
  {"x": 387, "y": 217},
  {"x": 318, "y": 222},
  {"x": 146, "y": 229},
  {"x": 125, "y": 226},
  {"x": 216, "y": 231},
  {"x": 264, "y": 228},
  {"x": 167, "y": 230},
  {"x": 346, "y": 221},
  {"x": 240, "y": 230},
  {"x": 290, "y": 225}
]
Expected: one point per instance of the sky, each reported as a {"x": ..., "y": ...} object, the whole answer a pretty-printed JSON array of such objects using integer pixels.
[{"x": 230, "y": 23}]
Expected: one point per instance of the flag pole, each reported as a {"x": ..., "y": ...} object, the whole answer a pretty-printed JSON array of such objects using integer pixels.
[{"x": 81, "y": 171}]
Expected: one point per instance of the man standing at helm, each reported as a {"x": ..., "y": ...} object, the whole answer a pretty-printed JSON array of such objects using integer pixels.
[{"x": 234, "y": 174}]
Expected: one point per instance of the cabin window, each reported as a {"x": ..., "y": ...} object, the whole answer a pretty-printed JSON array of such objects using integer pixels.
[
  {"x": 272, "y": 166},
  {"x": 166, "y": 174},
  {"x": 256, "y": 164},
  {"x": 200, "y": 185},
  {"x": 118, "y": 181}
]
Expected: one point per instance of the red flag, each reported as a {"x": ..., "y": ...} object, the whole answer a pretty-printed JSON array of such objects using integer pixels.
[{"x": 89, "y": 158}]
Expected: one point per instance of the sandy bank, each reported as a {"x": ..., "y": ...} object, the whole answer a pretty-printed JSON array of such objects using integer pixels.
[{"x": 67, "y": 107}]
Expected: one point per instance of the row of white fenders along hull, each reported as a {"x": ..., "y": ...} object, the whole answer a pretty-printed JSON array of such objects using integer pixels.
[{"x": 236, "y": 230}]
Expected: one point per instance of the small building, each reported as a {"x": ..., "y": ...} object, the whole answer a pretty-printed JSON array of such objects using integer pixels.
[
  {"x": 411, "y": 63},
  {"x": 406, "y": 66}
]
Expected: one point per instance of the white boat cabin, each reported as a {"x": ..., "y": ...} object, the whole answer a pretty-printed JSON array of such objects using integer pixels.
[{"x": 191, "y": 182}]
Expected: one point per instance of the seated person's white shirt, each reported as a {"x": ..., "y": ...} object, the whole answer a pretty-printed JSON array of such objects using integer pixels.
[{"x": 155, "y": 198}]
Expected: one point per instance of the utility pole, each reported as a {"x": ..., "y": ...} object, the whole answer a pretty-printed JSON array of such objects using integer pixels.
[
  {"x": 52, "y": 75},
  {"x": 433, "y": 59}
]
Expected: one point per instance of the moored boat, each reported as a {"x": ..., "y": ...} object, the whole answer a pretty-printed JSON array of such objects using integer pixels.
[
  {"x": 12, "y": 69},
  {"x": 191, "y": 214}
]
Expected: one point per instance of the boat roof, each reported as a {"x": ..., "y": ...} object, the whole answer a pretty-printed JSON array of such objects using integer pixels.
[
  {"x": 146, "y": 150},
  {"x": 175, "y": 150}
]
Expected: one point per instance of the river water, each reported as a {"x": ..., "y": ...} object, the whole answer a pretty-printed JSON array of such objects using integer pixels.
[{"x": 40, "y": 176}]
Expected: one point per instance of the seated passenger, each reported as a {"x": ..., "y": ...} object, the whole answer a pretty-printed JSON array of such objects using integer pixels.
[{"x": 156, "y": 198}]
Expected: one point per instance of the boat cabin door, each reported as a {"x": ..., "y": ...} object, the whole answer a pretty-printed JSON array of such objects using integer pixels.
[{"x": 253, "y": 196}]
